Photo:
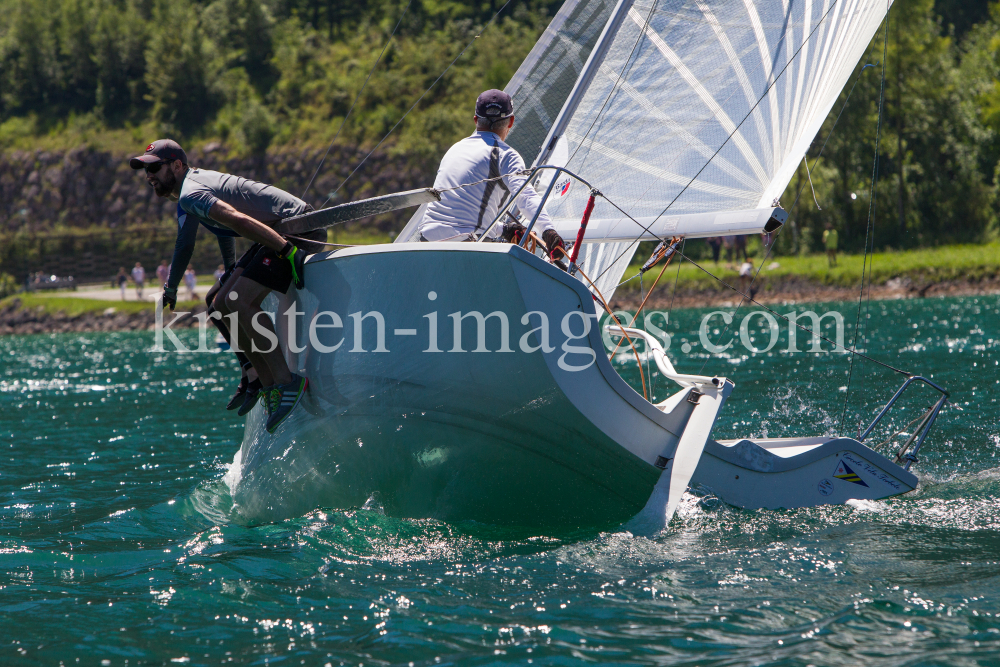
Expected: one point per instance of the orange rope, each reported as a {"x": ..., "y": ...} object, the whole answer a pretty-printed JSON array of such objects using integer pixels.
[
  {"x": 645, "y": 393},
  {"x": 650, "y": 292}
]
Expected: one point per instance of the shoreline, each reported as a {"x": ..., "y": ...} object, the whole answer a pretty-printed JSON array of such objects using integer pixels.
[
  {"x": 18, "y": 319},
  {"x": 795, "y": 291}
]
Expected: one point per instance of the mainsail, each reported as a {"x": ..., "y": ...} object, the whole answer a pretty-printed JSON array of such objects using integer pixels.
[{"x": 702, "y": 106}]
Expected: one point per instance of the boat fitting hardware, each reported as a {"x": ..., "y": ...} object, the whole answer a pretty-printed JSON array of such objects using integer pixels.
[{"x": 921, "y": 432}]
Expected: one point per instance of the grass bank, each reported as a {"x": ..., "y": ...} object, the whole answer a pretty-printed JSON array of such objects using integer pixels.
[
  {"x": 72, "y": 306},
  {"x": 970, "y": 263}
]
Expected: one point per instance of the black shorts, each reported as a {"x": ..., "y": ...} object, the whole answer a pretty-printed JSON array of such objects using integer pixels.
[{"x": 263, "y": 266}]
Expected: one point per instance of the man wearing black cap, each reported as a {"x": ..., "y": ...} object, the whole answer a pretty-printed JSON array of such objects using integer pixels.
[
  {"x": 468, "y": 211},
  {"x": 231, "y": 206}
]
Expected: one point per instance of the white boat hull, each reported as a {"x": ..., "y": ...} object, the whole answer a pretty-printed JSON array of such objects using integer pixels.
[
  {"x": 797, "y": 472},
  {"x": 511, "y": 438}
]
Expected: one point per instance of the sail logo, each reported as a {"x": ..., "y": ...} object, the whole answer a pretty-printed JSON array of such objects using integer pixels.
[
  {"x": 562, "y": 187},
  {"x": 845, "y": 473}
]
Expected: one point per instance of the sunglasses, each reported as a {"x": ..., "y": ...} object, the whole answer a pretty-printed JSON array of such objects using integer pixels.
[{"x": 155, "y": 167}]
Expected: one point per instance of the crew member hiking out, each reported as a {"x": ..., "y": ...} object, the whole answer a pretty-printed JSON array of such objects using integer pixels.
[
  {"x": 467, "y": 211},
  {"x": 231, "y": 206}
]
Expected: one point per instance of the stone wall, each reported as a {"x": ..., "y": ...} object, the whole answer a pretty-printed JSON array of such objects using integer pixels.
[{"x": 47, "y": 198}]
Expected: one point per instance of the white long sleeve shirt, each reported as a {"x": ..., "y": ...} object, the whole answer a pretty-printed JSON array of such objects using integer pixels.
[{"x": 471, "y": 209}]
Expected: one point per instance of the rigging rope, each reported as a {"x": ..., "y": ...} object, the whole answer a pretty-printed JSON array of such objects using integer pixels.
[
  {"x": 795, "y": 203},
  {"x": 621, "y": 79},
  {"x": 356, "y": 98},
  {"x": 752, "y": 300},
  {"x": 805, "y": 160},
  {"x": 422, "y": 95},
  {"x": 869, "y": 227},
  {"x": 673, "y": 242},
  {"x": 604, "y": 303},
  {"x": 920, "y": 417}
]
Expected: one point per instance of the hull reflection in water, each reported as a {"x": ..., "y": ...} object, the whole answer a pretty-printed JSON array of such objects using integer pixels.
[{"x": 436, "y": 415}]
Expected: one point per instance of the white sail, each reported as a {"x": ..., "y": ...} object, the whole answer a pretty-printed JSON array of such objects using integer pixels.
[
  {"x": 707, "y": 106},
  {"x": 545, "y": 78}
]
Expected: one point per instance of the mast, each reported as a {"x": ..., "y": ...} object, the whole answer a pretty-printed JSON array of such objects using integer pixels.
[{"x": 583, "y": 81}]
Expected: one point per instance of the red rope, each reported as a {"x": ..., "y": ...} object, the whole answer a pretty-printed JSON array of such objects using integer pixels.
[{"x": 583, "y": 229}]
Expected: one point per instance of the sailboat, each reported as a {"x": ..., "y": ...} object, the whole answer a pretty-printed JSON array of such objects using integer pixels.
[{"x": 468, "y": 381}]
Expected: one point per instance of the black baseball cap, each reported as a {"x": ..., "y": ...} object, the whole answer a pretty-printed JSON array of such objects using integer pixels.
[
  {"x": 495, "y": 105},
  {"x": 160, "y": 150}
]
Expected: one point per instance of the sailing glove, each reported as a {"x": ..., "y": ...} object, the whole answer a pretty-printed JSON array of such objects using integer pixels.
[
  {"x": 169, "y": 296},
  {"x": 513, "y": 232},
  {"x": 297, "y": 258},
  {"x": 557, "y": 249}
]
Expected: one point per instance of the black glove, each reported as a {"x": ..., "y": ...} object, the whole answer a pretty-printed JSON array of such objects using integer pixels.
[
  {"x": 169, "y": 297},
  {"x": 557, "y": 249},
  {"x": 513, "y": 232}
]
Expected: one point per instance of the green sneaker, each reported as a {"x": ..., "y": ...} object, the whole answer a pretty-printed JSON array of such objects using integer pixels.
[
  {"x": 283, "y": 399},
  {"x": 267, "y": 399}
]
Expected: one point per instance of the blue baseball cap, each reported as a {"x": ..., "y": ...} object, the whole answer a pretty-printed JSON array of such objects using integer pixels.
[{"x": 494, "y": 105}]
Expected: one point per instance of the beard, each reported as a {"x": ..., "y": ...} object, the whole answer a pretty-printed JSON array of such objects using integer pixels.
[{"x": 164, "y": 183}]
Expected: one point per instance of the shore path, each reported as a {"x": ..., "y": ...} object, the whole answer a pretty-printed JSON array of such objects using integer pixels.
[{"x": 99, "y": 292}]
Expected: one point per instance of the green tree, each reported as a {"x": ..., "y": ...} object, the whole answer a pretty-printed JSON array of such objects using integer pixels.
[
  {"x": 931, "y": 187},
  {"x": 30, "y": 66},
  {"x": 178, "y": 72},
  {"x": 119, "y": 54},
  {"x": 76, "y": 52}
]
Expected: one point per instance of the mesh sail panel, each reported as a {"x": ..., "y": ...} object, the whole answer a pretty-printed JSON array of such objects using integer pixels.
[
  {"x": 709, "y": 105},
  {"x": 545, "y": 78}
]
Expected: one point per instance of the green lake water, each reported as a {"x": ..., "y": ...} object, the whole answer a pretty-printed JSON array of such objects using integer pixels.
[{"x": 119, "y": 546}]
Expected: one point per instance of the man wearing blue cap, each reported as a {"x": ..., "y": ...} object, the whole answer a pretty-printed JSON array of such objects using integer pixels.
[
  {"x": 467, "y": 211},
  {"x": 231, "y": 206}
]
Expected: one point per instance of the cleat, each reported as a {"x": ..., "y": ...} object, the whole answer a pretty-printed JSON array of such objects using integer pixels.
[
  {"x": 241, "y": 392},
  {"x": 250, "y": 397},
  {"x": 283, "y": 399}
]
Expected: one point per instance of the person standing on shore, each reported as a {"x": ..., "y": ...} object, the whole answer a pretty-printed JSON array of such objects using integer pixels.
[
  {"x": 830, "y": 243},
  {"x": 122, "y": 280},
  {"x": 231, "y": 206},
  {"x": 191, "y": 280},
  {"x": 746, "y": 278},
  {"x": 139, "y": 277},
  {"x": 715, "y": 243},
  {"x": 741, "y": 247},
  {"x": 162, "y": 271},
  {"x": 729, "y": 243}
]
